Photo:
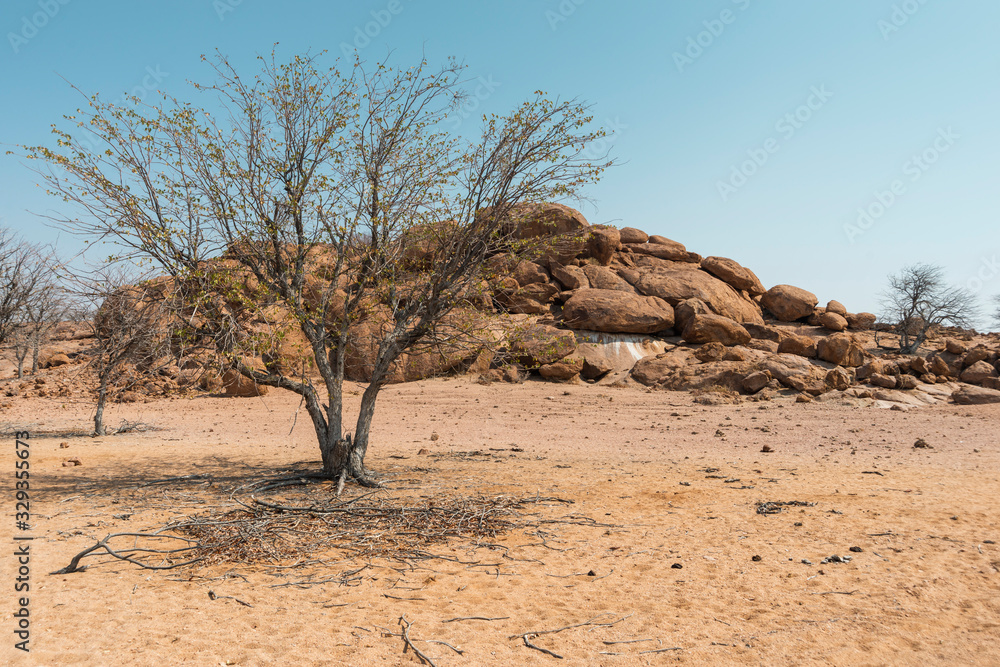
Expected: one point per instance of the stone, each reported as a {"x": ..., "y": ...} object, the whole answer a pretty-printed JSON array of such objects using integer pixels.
[
  {"x": 907, "y": 382},
  {"x": 972, "y": 395},
  {"x": 603, "y": 278},
  {"x": 671, "y": 251},
  {"x": 953, "y": 346},
  {"x": 238, "y": 385},
  {"x": 788, "y": 303},
  {"x": 838, "y": 378},
  {"x": 632, "y": 235},
  {"x": 836, "y": 307},
  {"x": 596, "y": 362},
  {"x": 884, "y": 381},
  {"x": 56, "y": 360},
  {"x": 832, "y": 321},
  {"x": 529, "y": 273},
  {"x": 803, "y": 346},
  {"x": 978, "y": 372},
  {"x": 860, "y": 321},
  {"x": 617, "y": 312},
  {"x": 686, "y": 310},
  {"x": 731, "y": 272},
  {"x": 545, "y": 219},
  {"x": 712, "y": 351},
  {"x": 796, "y": 373},
  {"x": 602, "y": 244},
  {"x": 541, "y": 344},
  {"x": 755, "y": 381},
  {"x": 570, "y": 277},
  {"x": 975, "y": 355},
  {"x": 563, "y": 370},
  {"x": 515, "y": 374},
  {"x": 840, "y": 349},
  {"x": 675, "y": 282},
  {"x": 764, "y": 331},
  {"x": 708, "y": 328}
]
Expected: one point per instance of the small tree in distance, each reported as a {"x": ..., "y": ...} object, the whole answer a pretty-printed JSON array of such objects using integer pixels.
[
  {"x": 918, "y": 298},
  {"x": 339, "y": 202}
]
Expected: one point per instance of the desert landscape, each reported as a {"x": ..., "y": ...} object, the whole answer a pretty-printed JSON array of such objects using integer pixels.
[
  {"x": 656, "y": 537},
  {"x": 599, "y": 495},
  {"x": 521, "y": 333}
]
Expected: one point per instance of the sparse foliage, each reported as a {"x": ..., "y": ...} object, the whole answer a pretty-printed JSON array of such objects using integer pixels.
[
  {"x": 344, "y": 214},
  {"x": 21, "y": 273},
  {"x": 918, "y": 298}
]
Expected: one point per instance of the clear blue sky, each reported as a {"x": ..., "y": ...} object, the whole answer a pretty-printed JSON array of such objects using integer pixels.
[{"x": 749, "y": 129}]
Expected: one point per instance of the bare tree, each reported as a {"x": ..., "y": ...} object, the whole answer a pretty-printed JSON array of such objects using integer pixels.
[
  {"x": 20, "y": 273},
  {"x": 918, "y": 298},
  {"x": 996, "y": 311},
  {"x": 130, "y": 326},
  {"x": 338, "y": 203},
  {"x": 45, "y": 305}
]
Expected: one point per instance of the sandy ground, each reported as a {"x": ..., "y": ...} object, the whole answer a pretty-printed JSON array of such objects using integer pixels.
[{"x": 656, "y": 481}]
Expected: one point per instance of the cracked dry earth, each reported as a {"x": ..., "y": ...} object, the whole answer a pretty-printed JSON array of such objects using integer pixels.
[{"x": 661, "y": 558}]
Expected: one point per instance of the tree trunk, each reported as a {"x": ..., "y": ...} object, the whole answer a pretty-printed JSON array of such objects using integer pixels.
[
  {"x": 102, "y": 396},
  {"x": 20, "y": 366},
  {"x": 34, "y": 356}
]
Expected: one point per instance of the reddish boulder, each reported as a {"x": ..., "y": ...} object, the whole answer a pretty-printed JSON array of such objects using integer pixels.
[
  {"x": 617, "y": 312},
  {"x": 675, "y": 282},
  {"x": 978, "y": 373},
  {"x": 571, "y": 277},
  {"x": 971, "y": 395},
  {"x": 860, "y": 321},
  {"x": 789, "y": 303},
  {"x": 602, "y": 244},
  {"x": 802, "y": 346},
  {"x": 541, "y": 344},
  {"x": 632, "y": 235},
  {"x": 832, "y": 321},
  {"x": 731, "y": 272},
  {"x": 603, "y": 278},
  {"x": 709, "y": 328},
  {"x": 840, "y": 349},
  {"x": 671, "y": 251}
]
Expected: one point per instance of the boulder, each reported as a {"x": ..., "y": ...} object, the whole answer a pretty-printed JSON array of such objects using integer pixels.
[
  {"x": 541, "y": 344},
  {"x": 632, "y": 235},
  {"x": 788, "y": 303},
  {"x": 838, "y": 378},
  {"x": 731, "y": 272},
  {"x": 803, "y": 346},
  {"x": 713, "y": 351},
  {"x": 529, "y": 273},
  {"x": 238, "y": 385},
  {"x": 675, "y": 282},
  {"x": 563, "y": 370},
  {"x": 545, "y": 219},
  {"x": 603, "y": 278},
  {"x": 978, "y": 373},
  {"x": 764, "y": 332},
  {"x": 532, "y": 299},
  {"x": 796, "y": 373},
  {"x": 56, "y": 360},
  {"x": 840, "y": 349},
  {"x": 972, "y": 395},
  {"x": 945, "y": 364},
  {"x": 953, "y": 346},
  {"x": 975, "y": 355},
  {"x": 860, "y": 321},
  {"x": 602, "y": 244},
  {"x": 687, "y": 309},
  {"x": 617, "y": 312},
  {"x": 836, "y": 307},
  {"x": 907, "y": 382},
  {"x": 755, "y": 381},
  {"x": 884, "y": 381},
  {"x": 671, "y": 251},
  {"x": 596, "y": 362},
  {"x": 628, "y": 274},
  {"x": 571, "y": 277},
  {"x": 709, "y": 328},
  {"x": 832, "y": 321}
]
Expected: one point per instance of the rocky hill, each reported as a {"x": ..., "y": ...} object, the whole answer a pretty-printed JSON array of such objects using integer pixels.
[{"x": 617, "y": 306}]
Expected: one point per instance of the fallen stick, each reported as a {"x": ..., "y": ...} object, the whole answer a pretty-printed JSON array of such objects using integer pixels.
[
  {"x": 406, "y": 638},
  {"x": 477, "y": 618},
  {"x": 539, "y": 648},
  {"x": 213, "y": 596}
]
